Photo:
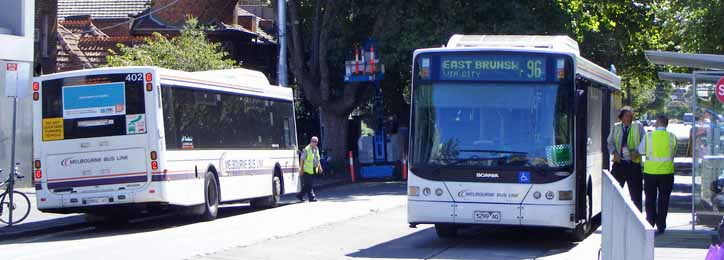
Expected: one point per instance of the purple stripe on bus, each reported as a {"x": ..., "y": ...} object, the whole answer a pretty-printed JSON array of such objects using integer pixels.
[
  {"x": 96, "y": 182},
  {"x": 132, "y": 179}
]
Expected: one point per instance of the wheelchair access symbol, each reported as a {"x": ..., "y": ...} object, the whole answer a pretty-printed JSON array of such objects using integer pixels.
[{"x": 523, "y": 177}]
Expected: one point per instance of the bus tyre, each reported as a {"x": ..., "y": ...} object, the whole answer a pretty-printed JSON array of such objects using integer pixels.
[
  {"x": 446, "y": 230},
  {"x": 211, "y": 198},
  {"x": 271, "y": 201},
  {"x": 581, "y": 231}
]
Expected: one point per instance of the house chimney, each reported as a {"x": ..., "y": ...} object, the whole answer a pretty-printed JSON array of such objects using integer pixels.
[{"x": 172, "y": 12}]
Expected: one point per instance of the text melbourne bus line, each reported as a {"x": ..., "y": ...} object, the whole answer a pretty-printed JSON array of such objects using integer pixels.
[
  {"x": 508, "y": 130},
  {"x": 110, "y": 141}
]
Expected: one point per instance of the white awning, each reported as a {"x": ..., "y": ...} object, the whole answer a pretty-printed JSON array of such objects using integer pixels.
[
  {"x": 702, "y": 61},
  {"x": 688, "y": 78}
]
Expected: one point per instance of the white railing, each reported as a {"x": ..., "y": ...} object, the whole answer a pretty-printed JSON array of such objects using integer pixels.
[{"x": 626, "y": 235}]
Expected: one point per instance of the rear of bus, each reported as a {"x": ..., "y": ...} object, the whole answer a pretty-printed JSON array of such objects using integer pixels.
[
  {"x": 491, "y": 139},
  {"x": 95, "y": 139}
]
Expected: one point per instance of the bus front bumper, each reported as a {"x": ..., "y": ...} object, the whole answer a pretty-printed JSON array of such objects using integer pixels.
[{"x": 437, "y": 212}]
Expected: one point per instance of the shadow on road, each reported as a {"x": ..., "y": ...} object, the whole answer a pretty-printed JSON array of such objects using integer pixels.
[
  {"x": 472, "y": 243},
  {"x": 173, "y": 219}
]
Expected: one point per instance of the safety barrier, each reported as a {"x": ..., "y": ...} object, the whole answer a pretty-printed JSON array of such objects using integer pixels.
[{"x": 626, "y": 235}]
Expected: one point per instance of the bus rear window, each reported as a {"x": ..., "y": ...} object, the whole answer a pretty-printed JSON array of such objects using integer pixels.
[{"x": 93, "y": 106}]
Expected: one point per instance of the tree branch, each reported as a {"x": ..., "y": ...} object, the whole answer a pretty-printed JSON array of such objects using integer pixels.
[
  {"x": 330, "y": 10},
  {"x": 296, "y": 46}
]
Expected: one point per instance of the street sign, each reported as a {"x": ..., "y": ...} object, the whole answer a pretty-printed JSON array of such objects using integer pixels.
[
  {"x": 17, "y": 79},
  {"x": 720, "y": 89}
]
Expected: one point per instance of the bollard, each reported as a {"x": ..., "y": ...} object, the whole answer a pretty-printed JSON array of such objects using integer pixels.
[
  {"x": 351, "y": 166},
  {"x": 404, "y": 169}
]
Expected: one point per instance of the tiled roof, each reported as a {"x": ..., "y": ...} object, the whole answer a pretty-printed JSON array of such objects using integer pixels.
[
  {"x": 81, "y": 45},
  {"x": 101, "y": 9}
]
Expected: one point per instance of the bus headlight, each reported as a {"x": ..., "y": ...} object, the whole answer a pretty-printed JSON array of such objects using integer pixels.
[
  {"x": 413, "y": 191},
  {"x": 438, "y": 192},
  {"x": 536, "y": 195},
  {"x": 426, "y": 191},
  {"x": 549, "y": 195}
]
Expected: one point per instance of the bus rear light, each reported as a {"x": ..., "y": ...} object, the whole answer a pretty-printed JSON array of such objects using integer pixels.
[
  {"x": 36, "y": 86},
  {"x": 37, "y": 164},
  {"x": 42, "y": 199},
  {"x": 413, "y": 191},
  {"x": 152, "y": 191},
  {"x": 565, "y": 195},
  {"x": 36, "y": 96},
  {"x": 153, "y": 155},
  {"x": 149, "y": 87},
  {"x": 149, "y": 77},
  {"x": 38, "y": 174},
  {"x": 154, "y": 165}
]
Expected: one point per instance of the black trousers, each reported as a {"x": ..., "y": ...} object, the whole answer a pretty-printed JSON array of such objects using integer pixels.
[
  {"x": 630, "y": 172},
  {"x": 307, "y": 186},
  {"x": 658, "y": 192}
]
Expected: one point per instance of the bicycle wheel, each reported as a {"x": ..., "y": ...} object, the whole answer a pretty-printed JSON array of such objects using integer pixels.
[{"x": 20, "y": 207}]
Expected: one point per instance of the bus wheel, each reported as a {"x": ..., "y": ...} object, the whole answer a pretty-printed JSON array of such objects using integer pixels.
[
  {"x": 581, "y": 232},
  {"x": 446, "y": 230},
  {"x": 271, "y": 201},
  {"x": 211, "y": 197}
]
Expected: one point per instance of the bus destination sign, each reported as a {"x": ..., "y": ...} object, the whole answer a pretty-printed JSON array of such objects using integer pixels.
[{"x": 493, "y": 67}]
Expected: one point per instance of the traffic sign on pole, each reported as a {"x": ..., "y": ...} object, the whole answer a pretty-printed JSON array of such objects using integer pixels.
[{"x": 720, "y": 89}]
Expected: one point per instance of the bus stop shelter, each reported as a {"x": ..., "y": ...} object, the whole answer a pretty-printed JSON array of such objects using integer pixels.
[{"x": 706, "y": 143}]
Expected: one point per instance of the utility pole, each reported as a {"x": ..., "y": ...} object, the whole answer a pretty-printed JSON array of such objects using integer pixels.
[{"x": 282, "y": 25}]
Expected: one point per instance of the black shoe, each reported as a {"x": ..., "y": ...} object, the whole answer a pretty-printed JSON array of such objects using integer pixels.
[
  {"x": 312, "y": 200},
  {"x": 301, "y": 199}
]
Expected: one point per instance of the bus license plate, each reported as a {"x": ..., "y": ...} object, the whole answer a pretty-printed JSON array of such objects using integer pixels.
[
  {"x": 92, "y": 201},
  {"x": 486, "y": 216}
]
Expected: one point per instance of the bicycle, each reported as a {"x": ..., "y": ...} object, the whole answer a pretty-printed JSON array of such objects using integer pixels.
[{"x": 19, "y": 205}]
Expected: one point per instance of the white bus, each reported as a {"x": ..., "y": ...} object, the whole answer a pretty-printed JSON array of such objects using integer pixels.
[
  {"x": 508, "y": 131},
  {"x": 112, "y": 141}
]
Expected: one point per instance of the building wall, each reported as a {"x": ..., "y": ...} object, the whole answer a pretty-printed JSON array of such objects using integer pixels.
[{"x": 17, "y": 47}]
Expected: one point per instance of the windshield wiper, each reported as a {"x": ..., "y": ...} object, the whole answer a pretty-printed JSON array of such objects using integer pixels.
[{"x": 491, "y": 151}]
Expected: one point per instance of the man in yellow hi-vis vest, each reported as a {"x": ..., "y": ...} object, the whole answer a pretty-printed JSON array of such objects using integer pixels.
[
  {"x": 309, "y": 166},
  {"x": 623, "y": 142},
  {"x": 659, "y": 147}
]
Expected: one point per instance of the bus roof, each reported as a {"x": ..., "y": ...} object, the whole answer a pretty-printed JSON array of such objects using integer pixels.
[
  {"x": 557, "y": 43},
  {"x": 232, "y": 79},
  {"x": 531, "y": 43}
]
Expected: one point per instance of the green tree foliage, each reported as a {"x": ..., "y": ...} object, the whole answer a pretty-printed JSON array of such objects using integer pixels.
[
  {"x": 618, "y": 32},
  {"x": 189, "y": 51},
  {"x": 693, "y": 25}
]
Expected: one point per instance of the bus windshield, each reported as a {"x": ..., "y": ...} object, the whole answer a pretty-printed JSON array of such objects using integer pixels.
[
  {"x": 506, "y": 124},
  {"x": 491, "y": 124}
]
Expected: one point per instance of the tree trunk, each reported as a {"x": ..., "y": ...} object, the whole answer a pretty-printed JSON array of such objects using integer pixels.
[{"x": 334, "y": 137}]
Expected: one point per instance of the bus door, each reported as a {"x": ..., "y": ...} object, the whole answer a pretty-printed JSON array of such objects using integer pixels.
[
  {"x": 582, "y": 143},
  {"x": 95, "y": 135}
]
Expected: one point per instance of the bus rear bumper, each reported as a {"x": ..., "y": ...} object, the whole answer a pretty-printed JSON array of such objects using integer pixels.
[{"x": 50, "y": 202}]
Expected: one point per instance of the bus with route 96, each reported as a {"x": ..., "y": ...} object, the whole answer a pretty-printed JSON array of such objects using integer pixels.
[
  {"x": 508, "y": 130},
  {"x": 111, "y": 142}
]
